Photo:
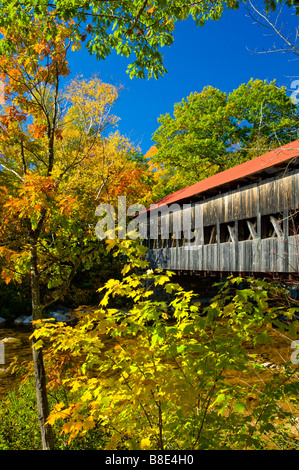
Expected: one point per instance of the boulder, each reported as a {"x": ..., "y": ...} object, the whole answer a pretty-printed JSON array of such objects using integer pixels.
[
  {"x": 59, "y": 314},
  {"x": 20, "y": 320},
  {"x": 2, "y": 321}
]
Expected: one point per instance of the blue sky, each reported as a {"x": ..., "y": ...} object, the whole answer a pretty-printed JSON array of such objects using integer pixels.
[{"x": 217, "y": 54}]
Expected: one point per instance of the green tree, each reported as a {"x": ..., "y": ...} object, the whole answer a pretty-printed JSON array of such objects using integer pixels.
[{"x": 211, "y": 131}]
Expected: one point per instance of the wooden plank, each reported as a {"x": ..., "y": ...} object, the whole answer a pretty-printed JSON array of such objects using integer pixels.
[
  {"x": 237, "y": 203},
  {"x": 199, "y": 258},
  {"x": 179, "y": 261},
  {"x": 188, "y": 222},
  {"x": 160, "y": 259},
  {"x": 205, "y": 258},
  {"x": 248, "y": 257},
  {"x": 170, "y": 265},
  {"x": 293, "y": 254},
  {"x": 205, "y": 213},
  {"x": 178, "y": 258},
  {"x": 284, "y": 196},
  {"x": 241, "y": 258},
  {"x": 274, "y": 253},
  {"x": 255, "y": 255},
  {"x": 236, "y": 248},
  {"x": 198, "y": 224},
  {"x": 224, "y": 217},
  {"x": 266, "y": 265},
  {"x": 226, "y": 257},
  {"x": 177, "y": 224},
  {"x": 185, "y": 258},
  {"x": 264, "y": 198},
  {"x": 282, "y": 255},
  {"x": 214, "y": 258}
]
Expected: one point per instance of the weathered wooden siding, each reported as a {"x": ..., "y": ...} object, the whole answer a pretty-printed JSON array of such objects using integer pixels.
[
  {"x": 227, "y": 215},
  {"x": 255, "y": 256},
  {"x": 268, "y": 196}
]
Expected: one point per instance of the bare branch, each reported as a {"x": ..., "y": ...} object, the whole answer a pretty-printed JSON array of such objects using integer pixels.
[
  {"x": 263, "y": 19},
  {"x": 12, "y": 171}
]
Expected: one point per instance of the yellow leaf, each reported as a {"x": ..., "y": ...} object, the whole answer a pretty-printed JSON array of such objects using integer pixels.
[
  {"x": 145, "y": 443},
  {"x": 88, "y": 424},
  {"x": 76, "y": 46}
]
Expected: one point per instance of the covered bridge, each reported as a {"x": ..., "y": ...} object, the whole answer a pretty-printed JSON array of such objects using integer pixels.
[{"x": 243, "y": 220}]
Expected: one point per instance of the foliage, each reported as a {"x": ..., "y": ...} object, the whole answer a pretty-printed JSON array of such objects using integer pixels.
[
  {"x": 19, "y": 425},
  {"x": 138, "y": 28},
  {"x": 53, "y": 143},
  {"x": 211, "y": 131},
  {"x": 171, "y": 376}
]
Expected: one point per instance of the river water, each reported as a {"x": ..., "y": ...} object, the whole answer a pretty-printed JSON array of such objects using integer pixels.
[{"x": 20, "y": 349}]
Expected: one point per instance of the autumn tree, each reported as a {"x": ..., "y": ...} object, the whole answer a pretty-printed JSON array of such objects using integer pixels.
[
  {"x": 211, "y": 131},
  {"x": 58, "y": 162}
]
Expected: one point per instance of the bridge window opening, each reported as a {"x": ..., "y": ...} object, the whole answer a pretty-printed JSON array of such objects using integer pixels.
[
  {"x": 247, "y": 229},
  {"x": 189, "y": 237},
  {"x": 272, "y": 226},
  {"x": 294, "y": 223},
  {"x": 210, "y": 234},
  {"x": 181, "y": 240},
  {"x": 165, "y": 242},
  {"x": 159, "y": 243},
  {"x": 174, "y": 240},
  {"x": 227, "y": 233}
]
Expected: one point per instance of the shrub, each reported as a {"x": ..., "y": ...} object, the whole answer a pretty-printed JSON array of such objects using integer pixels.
[
  {"x": 19, "y": 427},
  {"x": 173, "y": 376}
]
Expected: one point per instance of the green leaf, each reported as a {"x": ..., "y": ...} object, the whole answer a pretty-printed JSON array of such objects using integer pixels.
[
  {"x": 239, "y": 407},
  {"x": 220, "y": 398}
]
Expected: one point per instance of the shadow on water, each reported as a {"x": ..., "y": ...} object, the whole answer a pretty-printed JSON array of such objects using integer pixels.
[{"x": 20, "y": 348}]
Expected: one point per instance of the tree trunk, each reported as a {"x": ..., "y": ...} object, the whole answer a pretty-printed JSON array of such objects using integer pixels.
[
  {"x": 39, "y": 370},
  {"x": 42, "y": 399}
]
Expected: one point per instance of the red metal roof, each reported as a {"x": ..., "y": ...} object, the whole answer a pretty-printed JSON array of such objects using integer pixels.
[{"x": 269, "y": 159}]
